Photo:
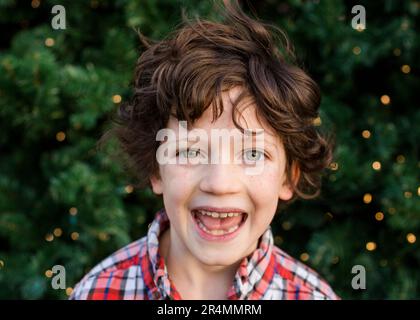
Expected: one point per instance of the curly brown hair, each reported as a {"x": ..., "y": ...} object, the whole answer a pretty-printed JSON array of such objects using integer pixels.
[{"x": 186, "y": 72}]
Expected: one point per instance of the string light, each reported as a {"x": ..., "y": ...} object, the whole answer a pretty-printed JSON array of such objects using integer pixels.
[
  {"x": 103, "y": 236},
  {"x": 74, "y": 236},
  {"x": 141, "y": 219},
  {"x": 408, "y": 194},
  {"x": 335, "y": 259},
  {"x": 370, "y": 246},
  {"x": 397, "y": 52},
  {"x": 49, "y": 42},
  {"x": 357, "y": 50},
  {"x": 35, "y": 3},
  {"x": 385, "y": 99},
  {"x": 366, "y": 134},
  {"x": 48, "y": 273},
  {"x": 317, "y": 121},
  {"x": 1, "y": 264},
  {"x": 367, "y": 198},
  {"x": 360, "y": 27},
  {"x": 286, "y": 225},
  {"x": 400, "y": 159},
  {"x": 392, "y": 210},
  {"x": 69, "y": 291},
  {"x": 379, "y": 216},
  {"x": 334, "y": 166},
  {"x": 376, "y": 165},
  {"x": 404, "y": 25},
  {"x": 329, "y": 215},
  {"x": 49, "y": 237},
  {"x": 405, "y": 68},
  {"x": 278, "y": 240},
  {"x": 411, "y": 238},
  {"x": 129, "y": 189},
  {"x": 304, "y": 256},
  {"x": 73, "y": 211},
  {"x": 60, "y": 136},
  {"x": 418, "y": 191},
  {"x": 116, "y": 98},
  {"x": 58, "y": 232}
]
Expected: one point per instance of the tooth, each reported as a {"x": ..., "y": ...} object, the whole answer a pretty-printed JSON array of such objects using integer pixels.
[
  {"x": 215, "y": 215},
  {"x": 230, "y": 214},
  {"x": 233, "y": 228},
  {"x": 223, "y": 215},
  {"x": 217, "y": 232},
  {"x": 202, "y": 226},
  {"x": 236, "y": 214}
]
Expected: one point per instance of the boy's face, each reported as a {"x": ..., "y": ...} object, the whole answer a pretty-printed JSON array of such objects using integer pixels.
[{"x": 223, "y": 186}]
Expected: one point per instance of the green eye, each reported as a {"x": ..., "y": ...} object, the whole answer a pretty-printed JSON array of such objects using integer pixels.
[
  {"x": 253, "y": 155},
  {"x": 189, "y": 153}
]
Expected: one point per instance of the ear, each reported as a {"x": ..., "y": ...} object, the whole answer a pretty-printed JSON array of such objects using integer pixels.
[
  {"x": 286, "y": 190},
  {"x": 156, "y": 183}
]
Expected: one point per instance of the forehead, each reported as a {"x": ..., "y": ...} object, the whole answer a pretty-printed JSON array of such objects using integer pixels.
[{"x": 245, "y": 115}]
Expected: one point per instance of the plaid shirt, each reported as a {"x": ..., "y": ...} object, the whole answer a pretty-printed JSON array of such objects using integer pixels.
[{"x": 138, "y": 271}]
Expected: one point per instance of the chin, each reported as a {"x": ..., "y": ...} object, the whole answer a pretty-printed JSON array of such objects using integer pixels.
[{"x": 216, "y": 259}]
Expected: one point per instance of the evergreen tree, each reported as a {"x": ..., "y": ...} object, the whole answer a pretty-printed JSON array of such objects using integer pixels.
[{"x": 62, "y": 202}]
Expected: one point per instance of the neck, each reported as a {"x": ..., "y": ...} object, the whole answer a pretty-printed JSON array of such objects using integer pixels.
[{"x": 192, "y": 278}]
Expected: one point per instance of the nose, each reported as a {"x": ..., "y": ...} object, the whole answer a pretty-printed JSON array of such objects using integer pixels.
[{"x": 221, "y": 179}]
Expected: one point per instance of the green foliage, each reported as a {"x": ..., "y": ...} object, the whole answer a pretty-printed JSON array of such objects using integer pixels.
[{"x": 64, "y": 202}]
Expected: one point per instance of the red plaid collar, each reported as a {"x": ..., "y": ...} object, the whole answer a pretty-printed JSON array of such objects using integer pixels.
[{"x": 137, "y": 271}]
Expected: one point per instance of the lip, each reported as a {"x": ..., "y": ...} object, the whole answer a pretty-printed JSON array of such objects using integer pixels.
[
  {"x": 209, "y": 237},
  {"x": 220, "y": 210}
]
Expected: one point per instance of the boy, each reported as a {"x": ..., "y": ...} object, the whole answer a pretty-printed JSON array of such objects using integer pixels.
[{"x": 212, "y": 239}]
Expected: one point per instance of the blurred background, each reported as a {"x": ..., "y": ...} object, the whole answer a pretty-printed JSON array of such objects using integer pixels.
[{"x": 64, "y": 203}]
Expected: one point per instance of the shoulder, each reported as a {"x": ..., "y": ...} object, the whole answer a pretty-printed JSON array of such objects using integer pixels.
[
  {"x": 295, "y": 280},
  {"x": 119, "y": 276}
]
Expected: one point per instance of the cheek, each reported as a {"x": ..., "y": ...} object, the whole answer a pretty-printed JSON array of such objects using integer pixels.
[
  {"x": 264, "y": 190},
  {"x": 266, "y": 186},
  {"x": 177, "y": 182}
]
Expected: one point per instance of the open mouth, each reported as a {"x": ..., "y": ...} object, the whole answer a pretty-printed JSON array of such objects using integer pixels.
[{"x": 219, "y": 223}]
